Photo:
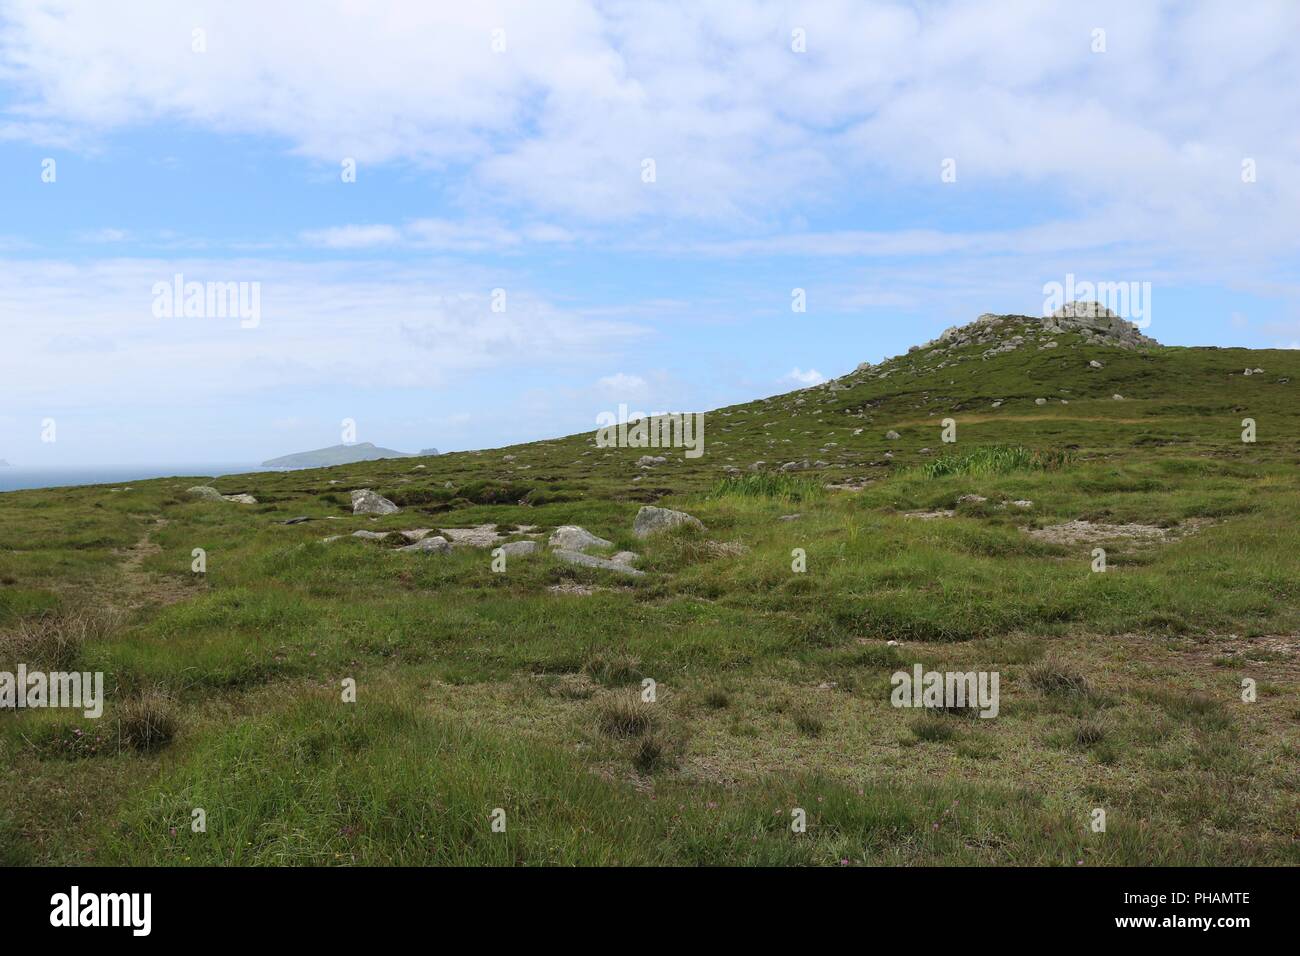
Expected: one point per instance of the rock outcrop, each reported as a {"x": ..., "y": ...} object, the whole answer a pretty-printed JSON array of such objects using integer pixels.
[{"x": 367, "y": 502}]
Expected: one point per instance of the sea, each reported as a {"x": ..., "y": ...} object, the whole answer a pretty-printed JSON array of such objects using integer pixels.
[{"x": 15, "y": 478}]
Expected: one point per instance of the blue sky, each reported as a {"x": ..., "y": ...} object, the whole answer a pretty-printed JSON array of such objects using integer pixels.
[{"x": 1116, "y": 156}]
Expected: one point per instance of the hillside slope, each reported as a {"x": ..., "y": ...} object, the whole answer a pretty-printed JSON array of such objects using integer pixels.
[{"x": 832, "y": 555}]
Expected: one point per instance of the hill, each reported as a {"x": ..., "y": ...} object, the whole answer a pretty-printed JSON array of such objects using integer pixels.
[
  {"x": 336, "y": 455},
  {"x": 843, "y": 540}
]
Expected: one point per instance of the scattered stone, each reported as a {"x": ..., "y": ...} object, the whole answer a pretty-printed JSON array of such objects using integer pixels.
[
  {"x": 649, "y": 461},
  {"x": 651, "y": 520},
  {"x": 1079, "y": 531},
  {"x": 892, "y": 435},
  {"x": 367, "y": 502},
  {"x": 1095, "y": 364},
  {"x": 997, "y": 404},
  {"x": 480, "y": 536},
  {"x": 436, "y": 544},
  {"x": 371, "y": 535},
  {"x": 1118, "y": 398},
  {"x": 591, "y": 561},
  {"x": 204, "y": 493},
  {"x": 241, "y": 499},
  {"x": 571, "y": 537},
  {"x": 1040, "y": 401},
  {"x": 577, "y": 590},
  {"x": 416, "y": 534},
  {"x": 1023, "y": 503},
  {"x": 929, "y": 515},
  {"x": 971, "y": 500},
  {"x": 628, "y": 558}
]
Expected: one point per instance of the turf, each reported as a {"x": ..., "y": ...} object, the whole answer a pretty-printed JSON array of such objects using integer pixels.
[{"x": 520, "y": 692}]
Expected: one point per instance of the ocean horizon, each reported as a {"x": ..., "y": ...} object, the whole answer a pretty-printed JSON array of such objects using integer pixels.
[{"x": 18, "y": 478}]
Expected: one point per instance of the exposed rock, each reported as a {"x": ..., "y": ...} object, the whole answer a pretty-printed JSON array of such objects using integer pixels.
[
  {"x": 480, "y": 536},
  {"x": 1095, "y": 364},
  {"x": 416, "y": 534},
  {"x": 1118, "y": 398},
  {"x": 516, "y": 548},
  {"x": 204, "y": 493},
  {"x": 1079, "y": 531},
  {"x": 892, "y": 435},
  {"x": 590, "y": 561},
  {"x": 241, "y": 499},
  {"x": 628, "y": 558},
  {"x": 651, "y": 520},
  {"x": 1040, "y": 401},
  {"x": 436, "y": 544},
  {"x": 1092, "y": 318},
  {"x": 367, "y": 502},
  {"x": 971, "y": 500},
  {"x": 371, "y": 535},
  {"x": 793, "y": 517},
  {"x": 649, "y": 461},
  {"x": 571, "y": 537},
  {"x": 298, "y": 520}
]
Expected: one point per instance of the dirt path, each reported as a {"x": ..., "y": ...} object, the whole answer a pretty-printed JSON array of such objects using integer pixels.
[{"x": 134, "y": 587}]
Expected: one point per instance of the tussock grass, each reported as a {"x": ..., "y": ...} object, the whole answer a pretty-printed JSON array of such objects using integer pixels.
[
  {"x": 767, "y": 484},
  {"x": 1059, "y": 679},
  {"x": 147, "y": 723},
  {"x": 989, "y": 460},
  {"x": 56, "y": 640},
  {"x": 624, "y": 715}
]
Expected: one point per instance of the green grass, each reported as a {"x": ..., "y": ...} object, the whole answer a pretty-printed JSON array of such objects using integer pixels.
[{"x": 479, "y": 690}]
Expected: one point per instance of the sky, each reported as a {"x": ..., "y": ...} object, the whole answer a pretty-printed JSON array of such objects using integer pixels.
[{"x": 467, "y": 225}]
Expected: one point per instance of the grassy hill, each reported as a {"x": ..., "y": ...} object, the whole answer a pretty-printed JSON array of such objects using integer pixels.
[{"x": 477, "y": 690}]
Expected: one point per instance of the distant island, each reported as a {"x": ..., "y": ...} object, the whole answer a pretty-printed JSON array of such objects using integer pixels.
[{"x": 341, "y": 455}]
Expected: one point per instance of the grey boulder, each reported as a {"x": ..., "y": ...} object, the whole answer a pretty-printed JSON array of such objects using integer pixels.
[
  {"x": 436, "y": 544},
  {"x": 367, "y": 502},
  {"x": 571, "y": 537},
  {"x": 591, "y": 561},
  {"x": 651, "y": 520},
  {"x": 514, "y": 548}
]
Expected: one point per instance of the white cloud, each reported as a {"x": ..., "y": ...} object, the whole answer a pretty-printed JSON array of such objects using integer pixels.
[
  {"x": 352, "y": 237},
  {"x": 346, "y": 324},
  {"x": 804, "y": 379},
  {"x": 740, "y": 127},
  {"x": 623, "y": 385}
]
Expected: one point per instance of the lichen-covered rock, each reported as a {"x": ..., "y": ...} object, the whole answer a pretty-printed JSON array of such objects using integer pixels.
[
  {"x": 204, "y": 493},
  {"x": 367, "y": 502},
  {"x": 516, "y": 548},
  {"x": 651, "y": 520},
  {"x": 591, "y": 561},
  {"x": 436, "y": 544},
  {"x": 571, "y": 537}
]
